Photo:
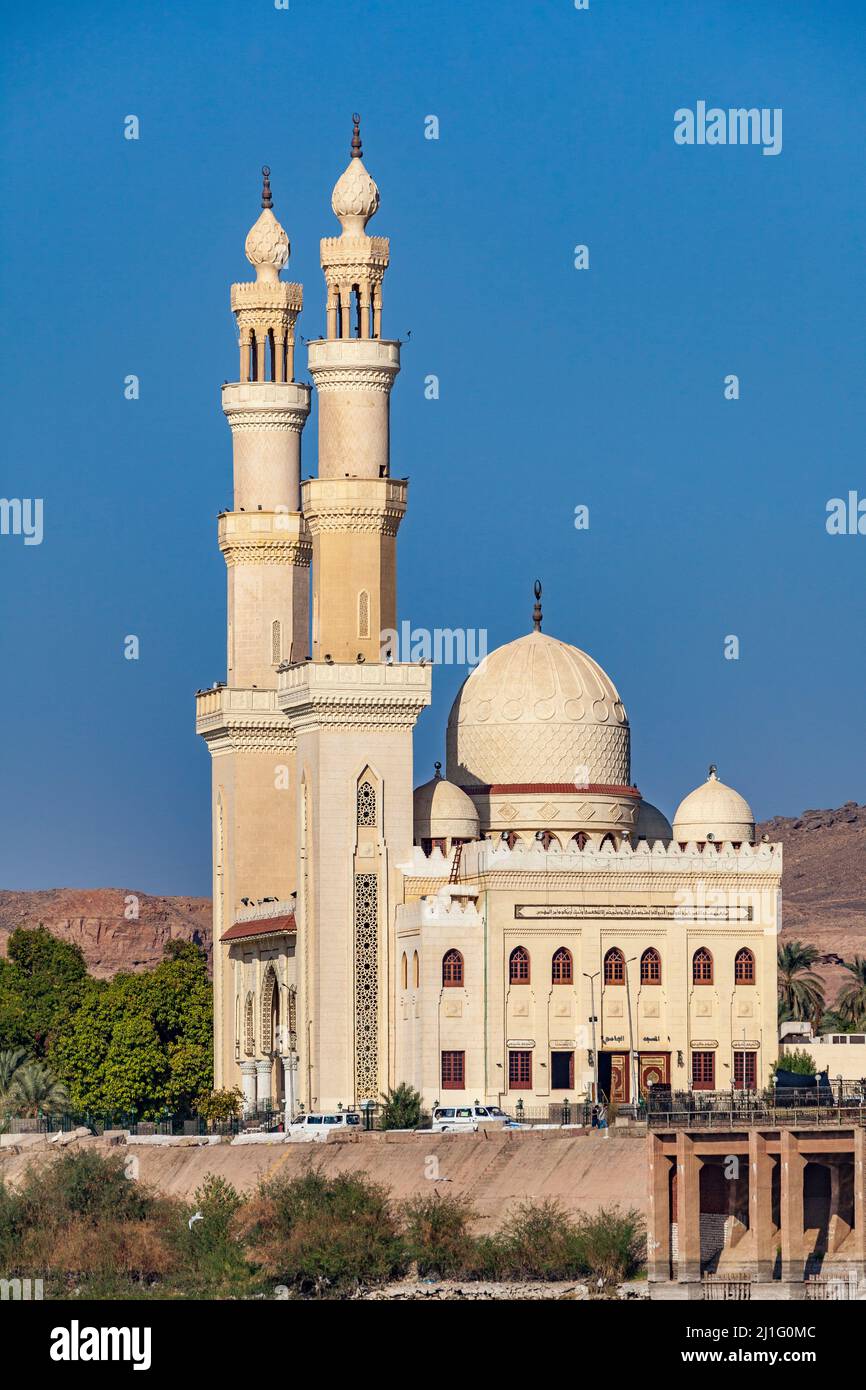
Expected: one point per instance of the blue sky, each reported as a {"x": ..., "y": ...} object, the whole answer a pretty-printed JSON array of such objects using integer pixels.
[{"x": 558, "y": 387}]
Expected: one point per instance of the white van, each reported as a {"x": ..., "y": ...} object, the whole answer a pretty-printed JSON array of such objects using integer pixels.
[
  {"x": 317, "y": 1127},
  {"x": 467, "y": 1117}
]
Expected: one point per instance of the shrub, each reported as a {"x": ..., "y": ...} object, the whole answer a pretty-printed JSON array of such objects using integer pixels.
[
  {"x": 611, "y": 1245},
  {"x": 438, "y": 1237},
  {"x": 219, "y": 1105},
  {"x": 537, "y": 1241},
  {"x": 208, "y": 1242},
  {"x": 325, "y": 1235}
]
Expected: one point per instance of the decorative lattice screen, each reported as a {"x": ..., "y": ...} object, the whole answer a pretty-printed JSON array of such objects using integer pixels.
[{"x": 366, "y": 986}]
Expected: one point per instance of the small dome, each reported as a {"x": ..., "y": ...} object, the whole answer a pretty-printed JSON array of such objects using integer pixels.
[
  {"x": 442, "y": 811},
  {"x": 355, "y": 198},
  {"x": 538, "y": 711},
  {"x": 651, "y": 824},
  {"x": 267, "y": 247},
  {"x": 714, "y": 811}
]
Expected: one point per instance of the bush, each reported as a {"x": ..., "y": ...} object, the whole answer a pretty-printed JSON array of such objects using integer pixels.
[
  {"x": 208, "y": 1242},
  {"x": 219, "y": 1106},
  {"x": 438, "y": 1237},
  {"x": 325, "y": 1235},
  {"x": 611, "y": 1245}
]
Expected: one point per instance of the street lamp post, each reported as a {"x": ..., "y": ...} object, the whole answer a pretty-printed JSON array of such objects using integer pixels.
[
  {"x": 592, "y": 978},
  {"x": 633, "y": 1054},
  {"x": 292, "y": 1061}
]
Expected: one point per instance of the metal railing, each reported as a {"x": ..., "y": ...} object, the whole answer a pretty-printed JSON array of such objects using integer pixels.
[{"x": 843, "y": 1103}]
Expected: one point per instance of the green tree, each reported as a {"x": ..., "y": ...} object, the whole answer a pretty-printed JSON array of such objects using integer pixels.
[
  {"x": 851, "y": 1001},
  {"x": 801, "y": 991},
  {"x": 401, "y": 1108},
  {"x": 41, "y": 982},
  {"x": 141, "y": 1043}
]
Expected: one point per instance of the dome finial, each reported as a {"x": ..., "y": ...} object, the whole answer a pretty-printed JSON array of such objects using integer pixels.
[
  {"x": 356, "y": 136},
  {"x": 536, "y": 612},
  {"x": 714, "y": 773},
  {"x": 267, "y": 200},
  {"x": 438, "y": 767}
]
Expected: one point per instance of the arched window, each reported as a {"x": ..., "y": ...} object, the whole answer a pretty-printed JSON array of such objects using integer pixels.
[
  {"x": 363, "y": 614},
  {"x": 249, "y": 1027},
  {"x": 452, "y": 970},
  {"x": 580, "y": 839},
  {"x": 416, "y": 971},
  {"x": 744, "y": 967},
  {"x": 702, "y": 967},
  {"x": 276, "y": 642},
  {"x": 614, "y": 967},
  {"x": 404, "y": 971},
  {"x": 608, "y": 840},
  {"x": 563, "y": 967},
  {"x": 546, "y": 838},
  {"x": 518, "y": 966},
  {"x": 366, "y": 803},
  {"x": 651, "y": 967}
]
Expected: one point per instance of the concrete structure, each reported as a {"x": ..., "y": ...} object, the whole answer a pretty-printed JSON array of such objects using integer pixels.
[
  {"x": 528, "y": 928},
  {"x": 841, "y": 1055},
  {"x": 769, "y": 1203}
]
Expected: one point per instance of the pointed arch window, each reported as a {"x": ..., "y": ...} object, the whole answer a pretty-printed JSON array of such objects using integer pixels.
[
  {"x": 651, "y": 967},
  {"x": 366, "y": 803},
  {"x": 702, "y": 967},
  {"x": 276, "y": 642},
  {"x": 744, "y": 967},
  {"x": 404, "y": 971},
  {"x": 562, "y": 972},
  {"x": 614, "y": 967},
  {"x": 363, "y": 614},
  {"x": 518, "y": 966},
  {"x": 416, "y": 971},
  {"x": 452, "y": 969}
]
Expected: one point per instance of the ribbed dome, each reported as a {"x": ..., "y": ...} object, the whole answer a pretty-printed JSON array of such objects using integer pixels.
[
  {"x": 355, "y": 198},
  {"x": 538, "y": 711},
  {"x": 267, "y": 247},
  {"x": 651, "y": 824},
  {"x": 714, "y": 811},
  {"x": 443, "y": 811}
]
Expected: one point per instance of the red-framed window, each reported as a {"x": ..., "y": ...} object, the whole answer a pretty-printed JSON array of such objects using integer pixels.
[
  {"x": 703, "y": 1071},
  {"x": 453, "y": 1071},
  {"x": 520, "y": 1071},
  {"x": 651, "y": 967},
  {"x": 452, "y": 969},
  {"x": 614, "y": 967},
  {"x": 702, "y": 967},
  {"x": 518, "y": 966},
  {"x": 744, "y": 967},
  {"x": 562, "y": 972},
  {"x": 746, "y": 1071}
]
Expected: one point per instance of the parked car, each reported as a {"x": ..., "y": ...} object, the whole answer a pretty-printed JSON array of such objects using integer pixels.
[
  {"x": 468, "y": 1117},
  {"x": 319, "y": 1126}
]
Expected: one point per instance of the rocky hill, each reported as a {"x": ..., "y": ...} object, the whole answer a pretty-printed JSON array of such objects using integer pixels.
[
  {"x": 824, "y": 902},
  {"x": 824, "y": 884},
  {"x": 116, "y": 928}
]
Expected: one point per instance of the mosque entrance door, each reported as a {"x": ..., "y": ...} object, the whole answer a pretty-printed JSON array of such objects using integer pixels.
[
  {"x": 613, "y": 1076},
  {"x": 654, "y": 1070}
]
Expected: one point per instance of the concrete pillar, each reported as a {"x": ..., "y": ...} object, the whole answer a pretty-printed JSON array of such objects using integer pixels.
[
  {"x": 791, "y": 1208},
  {"x": 659, "y": 1224},
  {"x": 263, "y": 1082},
  {"x": 761, "y": 1207},
  {"x": 860, "y": 1199},
  {"x": 688, "y": 1210},
  {"x": 248, "y": 1085}
]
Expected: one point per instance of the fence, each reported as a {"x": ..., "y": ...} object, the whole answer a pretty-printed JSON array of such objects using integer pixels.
[{"x": 841, "y": 1104}]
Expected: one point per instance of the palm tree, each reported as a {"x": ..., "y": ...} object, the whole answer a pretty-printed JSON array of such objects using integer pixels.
[
  {"x": 11, "y": 1062},
  {"x": 801, "y": 991},
  {"x": 851, "y": 1002},
  {"x": 36, "y": 1088}
]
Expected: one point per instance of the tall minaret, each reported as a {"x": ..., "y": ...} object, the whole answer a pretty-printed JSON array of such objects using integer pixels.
[
  {"x": 267, "y": 551},
  {"x": 352, "y": 713}
]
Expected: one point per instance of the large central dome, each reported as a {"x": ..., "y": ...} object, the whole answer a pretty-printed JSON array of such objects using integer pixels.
[{"x": 538, "y": 711}]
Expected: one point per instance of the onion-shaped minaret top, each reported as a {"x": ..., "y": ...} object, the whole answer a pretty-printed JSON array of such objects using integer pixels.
[
  {"x": 355, "y": 198},
  {"x": 267, "y": 246}
]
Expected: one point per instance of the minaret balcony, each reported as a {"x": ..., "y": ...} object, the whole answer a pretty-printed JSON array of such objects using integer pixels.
[
  {"x": 264, "y": 405},
  {"x": 265, "y": 538},
  {"x": 354, "y": 364}
]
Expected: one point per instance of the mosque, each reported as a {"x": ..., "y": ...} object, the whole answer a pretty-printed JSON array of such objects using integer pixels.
[{"x": 525, "y": 929}]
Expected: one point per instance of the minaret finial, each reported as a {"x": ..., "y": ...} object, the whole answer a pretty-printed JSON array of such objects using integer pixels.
[
  {"x": 536, "y": 612},
  {"x": 356, "y": 136},
  {"x": 714, "y": 772},
  {"x": 438, "y": 769},
  {"x": 267, "y": 200}
]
